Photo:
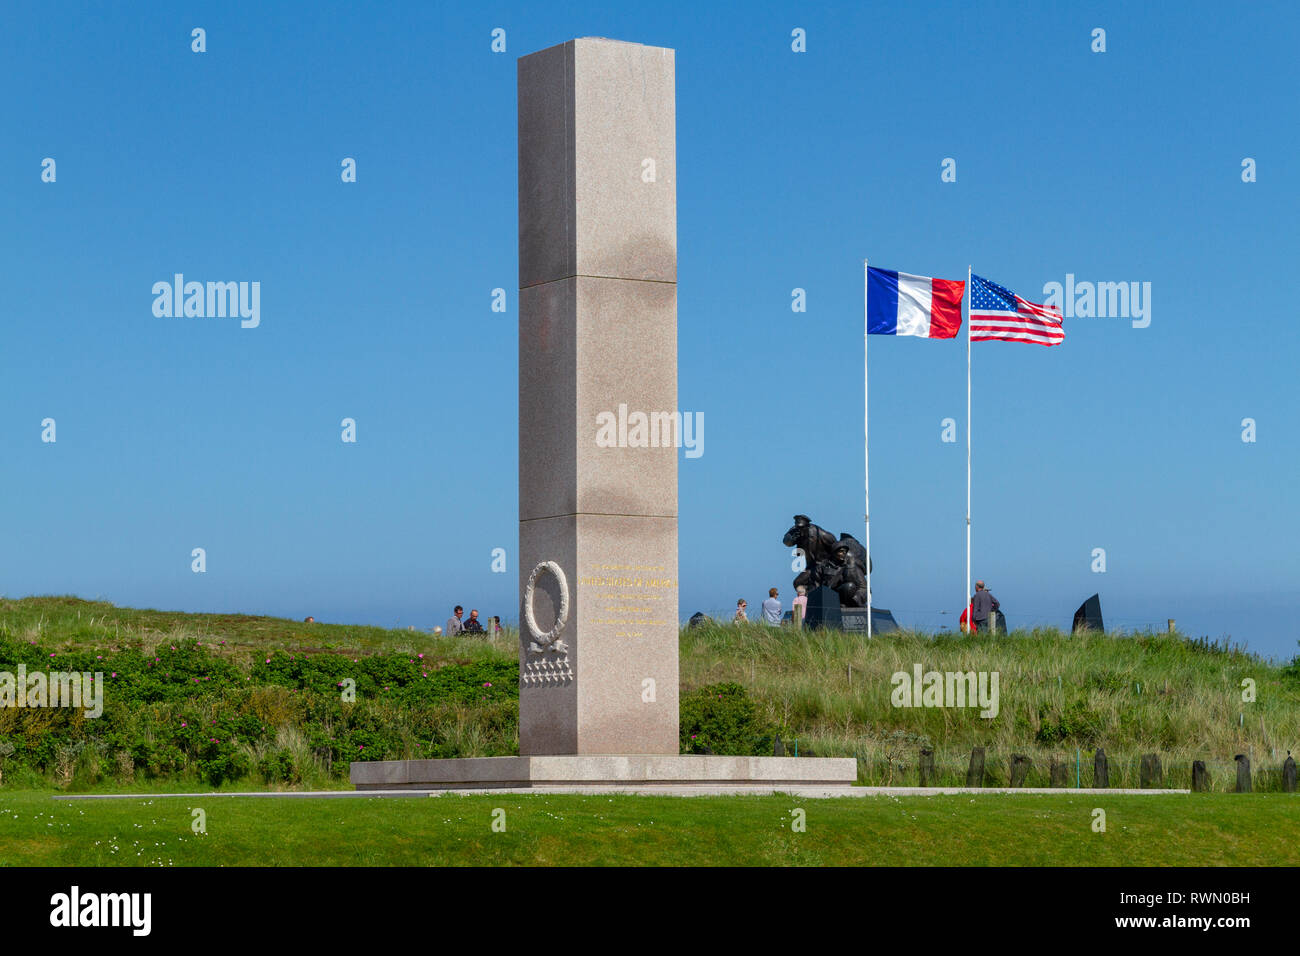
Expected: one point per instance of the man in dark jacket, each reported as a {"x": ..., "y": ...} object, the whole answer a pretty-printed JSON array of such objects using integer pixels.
[
  {"x": 473, "y": 626},
  {"x": 983, "y": 604}
]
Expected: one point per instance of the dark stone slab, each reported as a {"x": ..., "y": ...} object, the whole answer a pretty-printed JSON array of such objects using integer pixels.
[
  {"x": 1088, "y": 617},
  {"x": 824, "y": 609}
]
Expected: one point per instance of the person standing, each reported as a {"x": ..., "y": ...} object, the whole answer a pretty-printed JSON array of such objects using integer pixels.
[
  {"x": 454, "y": 625},
  {"x": 982, "y": 605},
  {"x": 799, "y": 606},
  {"x": 741, "y": 604},
  {"x": 772, "y": 608},
  {"x": 473, "y": 625}
]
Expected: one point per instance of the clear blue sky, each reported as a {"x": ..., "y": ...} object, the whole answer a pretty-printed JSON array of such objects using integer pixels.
[{"x": 792, "y": 167}]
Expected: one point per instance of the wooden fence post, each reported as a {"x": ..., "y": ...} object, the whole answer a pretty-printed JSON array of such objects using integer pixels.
[
  {"x": 975, "y": 772},
  {"x": 1243, "y": 773},
  {"x": 927, "y": 766},
  {"x": 1020, "y": 765},
  {"x": 1200, "y": 779},
  {"x": 1059, "y": 774},
  {"x": 1150, "y": 774},
  {"x": 1288, "y": 774},
  {"x": 1100, "y": 770}
]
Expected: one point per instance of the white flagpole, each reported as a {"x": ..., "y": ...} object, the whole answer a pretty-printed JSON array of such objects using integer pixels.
[
  {"x": 967, "y": 597},
  {"x": 866, "y": 446}
]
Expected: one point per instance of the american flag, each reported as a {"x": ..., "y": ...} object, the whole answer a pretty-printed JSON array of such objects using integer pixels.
[{"x": 999, "y": 315}]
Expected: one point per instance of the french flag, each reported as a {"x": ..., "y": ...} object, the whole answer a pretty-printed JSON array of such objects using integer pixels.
[{"x": 902, "y": 304}]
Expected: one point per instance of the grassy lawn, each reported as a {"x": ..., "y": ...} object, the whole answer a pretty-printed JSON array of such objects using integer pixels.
[{"x": 1160, "y": 830}]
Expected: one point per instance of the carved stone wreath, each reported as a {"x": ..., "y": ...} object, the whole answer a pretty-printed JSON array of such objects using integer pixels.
[{"x": 548, "y": 641}]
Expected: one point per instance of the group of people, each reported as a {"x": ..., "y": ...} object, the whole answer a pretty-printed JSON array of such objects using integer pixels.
[
  {"x": 456, "y": 624},
  {"x": 980, "y": 614},
  {"x": 772, "y": 610}
]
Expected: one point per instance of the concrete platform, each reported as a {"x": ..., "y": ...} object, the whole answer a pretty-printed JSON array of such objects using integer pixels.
[
  {"x": 804, "y": 792},
  {"x": 606, "y": 771}
]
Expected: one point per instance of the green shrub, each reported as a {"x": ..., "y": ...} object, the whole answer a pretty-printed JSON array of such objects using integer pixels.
[
  {"x": 1077, "y": 724},
  {"x": 278, "y": 767},
  {"x": 183, "y": 710},
  {"x": 721, "y": 719}
]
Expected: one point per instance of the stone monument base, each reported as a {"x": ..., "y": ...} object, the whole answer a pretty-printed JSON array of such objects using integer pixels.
[{"x": 604, "y": 770}]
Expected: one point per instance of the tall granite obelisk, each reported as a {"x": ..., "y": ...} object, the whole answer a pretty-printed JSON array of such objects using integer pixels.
[
  {"x": 598, "y": 400},
  {"x": 597, "y": 448}
]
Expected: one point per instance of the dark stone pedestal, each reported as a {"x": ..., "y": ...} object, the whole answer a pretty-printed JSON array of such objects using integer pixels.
[{"x": 824, "y": 611}]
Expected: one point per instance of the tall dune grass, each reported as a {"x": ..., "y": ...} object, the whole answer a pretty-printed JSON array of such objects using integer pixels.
[{"x": 1061, "y": 697}]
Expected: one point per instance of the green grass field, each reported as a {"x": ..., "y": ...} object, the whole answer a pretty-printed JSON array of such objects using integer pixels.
[{"x": 545, "y": 830}]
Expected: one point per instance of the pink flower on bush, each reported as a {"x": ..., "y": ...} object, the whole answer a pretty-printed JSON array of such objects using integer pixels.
[
  {"x": 421, "y": 657},
  {"x": 487, "y": 684}
]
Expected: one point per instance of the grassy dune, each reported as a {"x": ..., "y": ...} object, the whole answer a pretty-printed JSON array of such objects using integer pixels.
[
  {"x": 1060, "y": 696},
  {"x": 67, "y": 623}
]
